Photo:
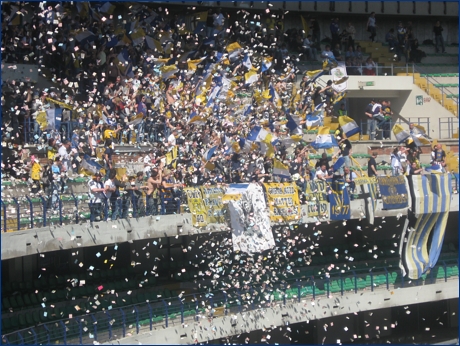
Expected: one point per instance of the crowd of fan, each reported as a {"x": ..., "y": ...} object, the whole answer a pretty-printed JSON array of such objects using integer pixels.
[{"x": 107, "y": 95}]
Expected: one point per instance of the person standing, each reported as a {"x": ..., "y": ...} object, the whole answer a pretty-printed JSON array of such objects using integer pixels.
[
  {"x": 335, "y": 31},
  {"x": 110, "y": 188},
  {"x": 396, "y": 166},
  {"x": 350, "y": 31},
  {"x": 372, "y": 165},
  {"x": 153, "y": 194},
  {"x": 438, "y": 39},
  {"x": 371, "y": 26},
  {"x": 96, "y": 193},
  {"x": 35, "y": 170}
]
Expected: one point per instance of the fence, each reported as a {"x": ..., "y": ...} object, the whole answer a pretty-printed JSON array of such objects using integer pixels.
[
  {"x": 423, "y": 121},
  {"x": 27, "y": 212},
  {"x": 116, "y": 322}
]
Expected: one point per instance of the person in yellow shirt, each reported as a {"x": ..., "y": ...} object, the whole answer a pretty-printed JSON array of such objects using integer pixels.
[
  {"x": 35, "y": 170},
  {"x": 110, "y": 133},
  {"x": 51, "y": 151}
]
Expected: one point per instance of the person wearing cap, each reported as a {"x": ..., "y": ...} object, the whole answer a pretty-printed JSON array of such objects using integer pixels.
[
  {"x": 96, "y": 193},
  {"x": 372, "y": 165}
]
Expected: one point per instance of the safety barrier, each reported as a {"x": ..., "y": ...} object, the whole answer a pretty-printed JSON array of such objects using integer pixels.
[
  {"x": 65, "y": 208},
  {"x": 142, "y": 312}
]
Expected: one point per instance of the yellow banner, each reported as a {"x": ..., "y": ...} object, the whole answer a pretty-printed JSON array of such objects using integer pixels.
[
  {"x": 197, "y": 208},
  {"x": 212, "y": 200},
  {"x": 316, "y": 196},
  {"x": 365, "y": 180},
  {"x": 283, "y": 201}
]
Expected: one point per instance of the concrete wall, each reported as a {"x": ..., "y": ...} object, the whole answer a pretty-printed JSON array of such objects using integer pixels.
[{"x": 293, "y": 312}]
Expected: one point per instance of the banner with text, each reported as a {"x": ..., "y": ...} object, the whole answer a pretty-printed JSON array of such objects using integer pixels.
[
  {"x": 212, "y": 200},
  {"x": 283, "y": 202},
  {"x": 316, "y": 196},
  {"x": 394, "y": 192},
  {"x": 339, "y": 201},
  {"x": 196, "y": 206}
]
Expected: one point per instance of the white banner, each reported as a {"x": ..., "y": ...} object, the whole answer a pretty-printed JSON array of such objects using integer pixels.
[
  {"x": 251, "y": 233},
  {"x": 339, "y": 73}
]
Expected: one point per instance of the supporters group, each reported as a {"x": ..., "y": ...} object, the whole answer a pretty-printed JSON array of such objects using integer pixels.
[{"x": 191, "y": 88}]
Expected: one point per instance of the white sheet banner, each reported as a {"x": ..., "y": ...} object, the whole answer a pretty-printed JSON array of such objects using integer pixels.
[
  {"x": 339, "y": 76},
  {"x": 250, "y": 222}
]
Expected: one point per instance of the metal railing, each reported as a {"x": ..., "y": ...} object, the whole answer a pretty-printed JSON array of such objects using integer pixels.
[
  {"x": 27, "y": 212},
  {"x": 423, "y": 121},
  {"x": 447, "y": 125},
  {"x": 143, "y": 316}
]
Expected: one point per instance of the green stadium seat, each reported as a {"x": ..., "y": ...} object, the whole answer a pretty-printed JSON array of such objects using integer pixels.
[
  {"x": 36, "y": 317},
  {"x": 26, "y": 300},
  {"x": 6, "y": 304},
  {"x": 22, "y": 320},
  {"x": 14, "y": 303},
  {"x": 29, "y": 319},
  {"x": 6, "y": 325}
]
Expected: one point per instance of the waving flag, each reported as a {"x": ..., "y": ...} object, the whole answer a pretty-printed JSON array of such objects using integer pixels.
[
  {"x": 266, "y": 64},
  {"x": 194, "y": 118},
  {"x": 418, "y": 134},
  {"x": 89, "y": 166},
  {"x": 209, "y": 153},
  {"x": 138, "y": 37},
  {"x": 168, "y": 71},
  {"x": 293, "y": 123},
  {"x": 85, "y": 36},
  {"x": 257, "y": 134},
  {"x": 400, "y": 134},
  {"x": 338, "y": 164},
  {"x": 339, "y": 78},
  {"x": 280, "y": 170},
  {"x": 314, "y": 75},
  {"x": 324, "y": 140},
  {"x": 274, "y": 97},
  {"x": 251, "y": 77},
  {"x": 348, "y": 126},
  {"x": 247, "y": 62},
  {"x": 313, "y": 120},
  {"x": 200, "y": 19}
]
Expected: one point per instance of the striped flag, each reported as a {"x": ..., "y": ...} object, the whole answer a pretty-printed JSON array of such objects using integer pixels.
[
  {"x": 257, "y": 134},
  {"x": 313, "y": 120},
  {"x": 168, "y": 71},
  {"x": 324, "y": 140},
  {"x": 348, "y": 126},
  {"x": 247, "y": 62},
  {"x": 400, "y": 134},
  {"x": 89, "y": 166},
  {"x": 209, "y": 153},
  {"x": 280, "y": 170}
]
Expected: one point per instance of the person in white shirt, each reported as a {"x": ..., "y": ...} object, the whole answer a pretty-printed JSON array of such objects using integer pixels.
[
  {"x": 109, "y": 188},
  {"x": 322, "y": 173},
  {"x": 96, "y": 193},
  {"x": 396, "y": 162},
  {"x": 172, "y": 139},
  {"x": 64, "y": 155}
]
